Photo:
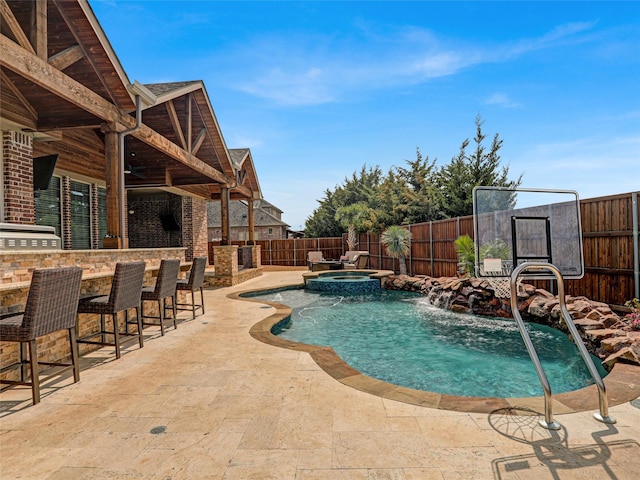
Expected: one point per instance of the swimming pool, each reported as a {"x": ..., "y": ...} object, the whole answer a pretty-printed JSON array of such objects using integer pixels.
[{"x": 399, "y": 338}]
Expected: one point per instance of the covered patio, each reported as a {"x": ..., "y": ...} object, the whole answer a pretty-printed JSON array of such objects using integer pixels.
[{"x": 208, "y": 401}]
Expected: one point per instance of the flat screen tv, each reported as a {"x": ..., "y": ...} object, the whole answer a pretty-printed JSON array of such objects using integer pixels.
[
  {"x": 169, "y": 222},
  {"x": 43, "y": 170}
]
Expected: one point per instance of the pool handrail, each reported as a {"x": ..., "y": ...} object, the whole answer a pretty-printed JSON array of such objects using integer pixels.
[{"x": 548, "y": 422}]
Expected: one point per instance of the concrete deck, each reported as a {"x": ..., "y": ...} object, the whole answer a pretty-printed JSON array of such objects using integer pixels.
[{"x": 209, "y": 401}]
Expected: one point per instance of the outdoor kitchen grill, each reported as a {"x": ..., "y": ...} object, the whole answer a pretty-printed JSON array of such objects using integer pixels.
[{"x": 28, "y": 237}]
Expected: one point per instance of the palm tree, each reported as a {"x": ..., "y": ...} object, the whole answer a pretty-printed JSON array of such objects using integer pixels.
[
  {"x": 397, "y": 241},
  {"x": 466, "y": 255},
  {"x": 355, "y": 217}
]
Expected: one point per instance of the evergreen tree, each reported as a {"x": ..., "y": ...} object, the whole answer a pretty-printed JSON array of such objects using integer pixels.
[{"x": 457, "y": 179}]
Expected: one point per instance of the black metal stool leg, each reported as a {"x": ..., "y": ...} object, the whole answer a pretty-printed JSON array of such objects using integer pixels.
[
  {"x": 116, "y": 335},
  {"x": 74, "y": 355},
  {"x": 139, "y": 319}
]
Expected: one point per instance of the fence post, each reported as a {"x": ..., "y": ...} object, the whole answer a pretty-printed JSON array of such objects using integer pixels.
[
  {"x": 431, "y": 245},
  {"x": 636, "y": 246},
  {"x": 410, "y": 255}
]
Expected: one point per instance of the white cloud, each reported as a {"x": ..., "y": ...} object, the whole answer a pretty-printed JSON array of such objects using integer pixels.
[
  {"x": 501, "y": 100},
  {"x": 314, "y": 69}
]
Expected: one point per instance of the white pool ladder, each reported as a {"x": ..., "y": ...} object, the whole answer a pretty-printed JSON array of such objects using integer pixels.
[{"x": 548, "y": 421}]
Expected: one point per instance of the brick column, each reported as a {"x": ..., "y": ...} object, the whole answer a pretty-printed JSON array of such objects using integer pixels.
[
  {"x": 194, "y": 227},
  {"x": 17, "y": 178}
]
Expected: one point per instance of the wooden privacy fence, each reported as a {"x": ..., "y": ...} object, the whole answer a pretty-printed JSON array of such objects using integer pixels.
[{"x": 609, "y": 235}]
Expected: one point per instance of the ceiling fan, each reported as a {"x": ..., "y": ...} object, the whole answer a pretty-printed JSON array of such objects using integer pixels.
[{"x": 134, "y": 170}]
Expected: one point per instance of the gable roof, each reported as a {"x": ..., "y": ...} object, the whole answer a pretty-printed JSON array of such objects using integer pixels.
[{"x": 65, "y": 42}]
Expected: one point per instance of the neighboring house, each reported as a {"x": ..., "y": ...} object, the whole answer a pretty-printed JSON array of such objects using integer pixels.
[{"x": 268, "y": 224}]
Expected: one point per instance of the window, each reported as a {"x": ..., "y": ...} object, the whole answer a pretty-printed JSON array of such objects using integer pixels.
[
  {"x": 102, "y": 213},
  {"x": 270, "y": 231},
  {"x": 80, "y": 215},
  {"x": 48, "y": 205}
]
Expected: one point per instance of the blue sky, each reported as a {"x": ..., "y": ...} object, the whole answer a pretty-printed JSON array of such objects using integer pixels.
[{"x": 316, "y": 90}]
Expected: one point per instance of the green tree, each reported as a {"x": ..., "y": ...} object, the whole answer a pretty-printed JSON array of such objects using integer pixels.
[
  {"x": 357, "y": 217},
  {"x": 457, "y": 179},
  {"x": 421, "y": 197},
  {"x": 397, "y": 243},
  {"x": 361, "y": 187},
  {"x": 389, "y": 201}
]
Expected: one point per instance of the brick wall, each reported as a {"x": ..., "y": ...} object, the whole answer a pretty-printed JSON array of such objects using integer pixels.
[
  {"x": 19, "y": 203},
  {"x": 145, "y": 225}
]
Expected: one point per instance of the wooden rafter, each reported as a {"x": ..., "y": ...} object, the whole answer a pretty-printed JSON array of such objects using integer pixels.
[
  {"x": 87, "y": 55},
  {"x": 162, "y": 144},
  {"x": 39, "y": 28},
  {"x": 15, "y": 27},
  {"x": 26, "y": 64},
  {"x": 197, "y": 143},
  {"x": 19, "y": 95},
  {"x": 175, "y": 123},
  {"x": 67, "y": 57}
]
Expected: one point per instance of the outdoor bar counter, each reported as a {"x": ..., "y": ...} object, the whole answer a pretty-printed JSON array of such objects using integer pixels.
[{"x": 16, "y": 269}]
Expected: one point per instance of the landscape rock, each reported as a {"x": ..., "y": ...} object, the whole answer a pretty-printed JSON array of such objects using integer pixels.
[{"x": 603, "y": 332}]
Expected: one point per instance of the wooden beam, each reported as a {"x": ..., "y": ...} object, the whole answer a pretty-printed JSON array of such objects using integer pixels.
[
  {"x": 38, "y": 71},
  {"x": 157, "y": 141},
  {"x": 112, "y": 177},
  {"x": 198, "y": 141},
  {"x": 246, "y": 192},
  {"x": 189, "y": 124},
  {"x": 15, "y": 28},
  {"x": 175, "y": 123},
  {"x": 225, "y": 228},
  {"x": 39, "y": 28},
  {"x": 251, "y": 222},
  {"x": 66, "y": 57}
]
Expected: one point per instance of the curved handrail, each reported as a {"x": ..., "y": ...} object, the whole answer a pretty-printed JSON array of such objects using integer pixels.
[
  {"x": 603, "y": 416},
  {"x": 548, "y": 421}
]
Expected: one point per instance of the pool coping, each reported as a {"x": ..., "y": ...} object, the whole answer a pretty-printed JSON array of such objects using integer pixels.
[{"x": 622, "y": 383}]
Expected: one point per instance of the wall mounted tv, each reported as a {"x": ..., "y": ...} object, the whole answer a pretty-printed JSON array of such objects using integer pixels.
[
  {"x": 170, "y": 222},
  {"x": 43, "y": 170}
]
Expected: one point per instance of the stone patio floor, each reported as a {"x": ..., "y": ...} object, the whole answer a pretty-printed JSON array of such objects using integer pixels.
[{"x": 208, "y": 401}]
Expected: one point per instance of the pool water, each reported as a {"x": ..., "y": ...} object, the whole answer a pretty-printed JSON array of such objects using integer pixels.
[{"x": 398, "y": 337}]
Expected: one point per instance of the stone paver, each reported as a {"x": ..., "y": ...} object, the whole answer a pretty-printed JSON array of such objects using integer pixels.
[{"x": 208, "y": 401}]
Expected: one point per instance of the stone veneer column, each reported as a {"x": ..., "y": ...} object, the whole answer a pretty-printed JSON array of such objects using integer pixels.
[
  {"x": 17, "y": 178},
  {"x": 256, "y": 256},
  {"x": 226, "y": 260}
]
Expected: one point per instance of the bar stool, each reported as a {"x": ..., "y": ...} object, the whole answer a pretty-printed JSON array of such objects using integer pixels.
[
  {"x": 193, "y": 283},
  {"x": 51, "y": 307},
  {"x": 164, "y": 288},
  {"x": 125, "y": 293}
]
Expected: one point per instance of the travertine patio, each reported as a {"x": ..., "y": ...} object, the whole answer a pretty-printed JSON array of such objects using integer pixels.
[{"x": 208, "y": 401}]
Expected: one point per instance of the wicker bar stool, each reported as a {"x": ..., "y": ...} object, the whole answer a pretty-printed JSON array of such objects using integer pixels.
[
  {"x": 164, "y": 288},
  {"x": 125, "y": 293},
  {"x": 193, "y": 283},
  {"x": 51, "y": 307}
]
